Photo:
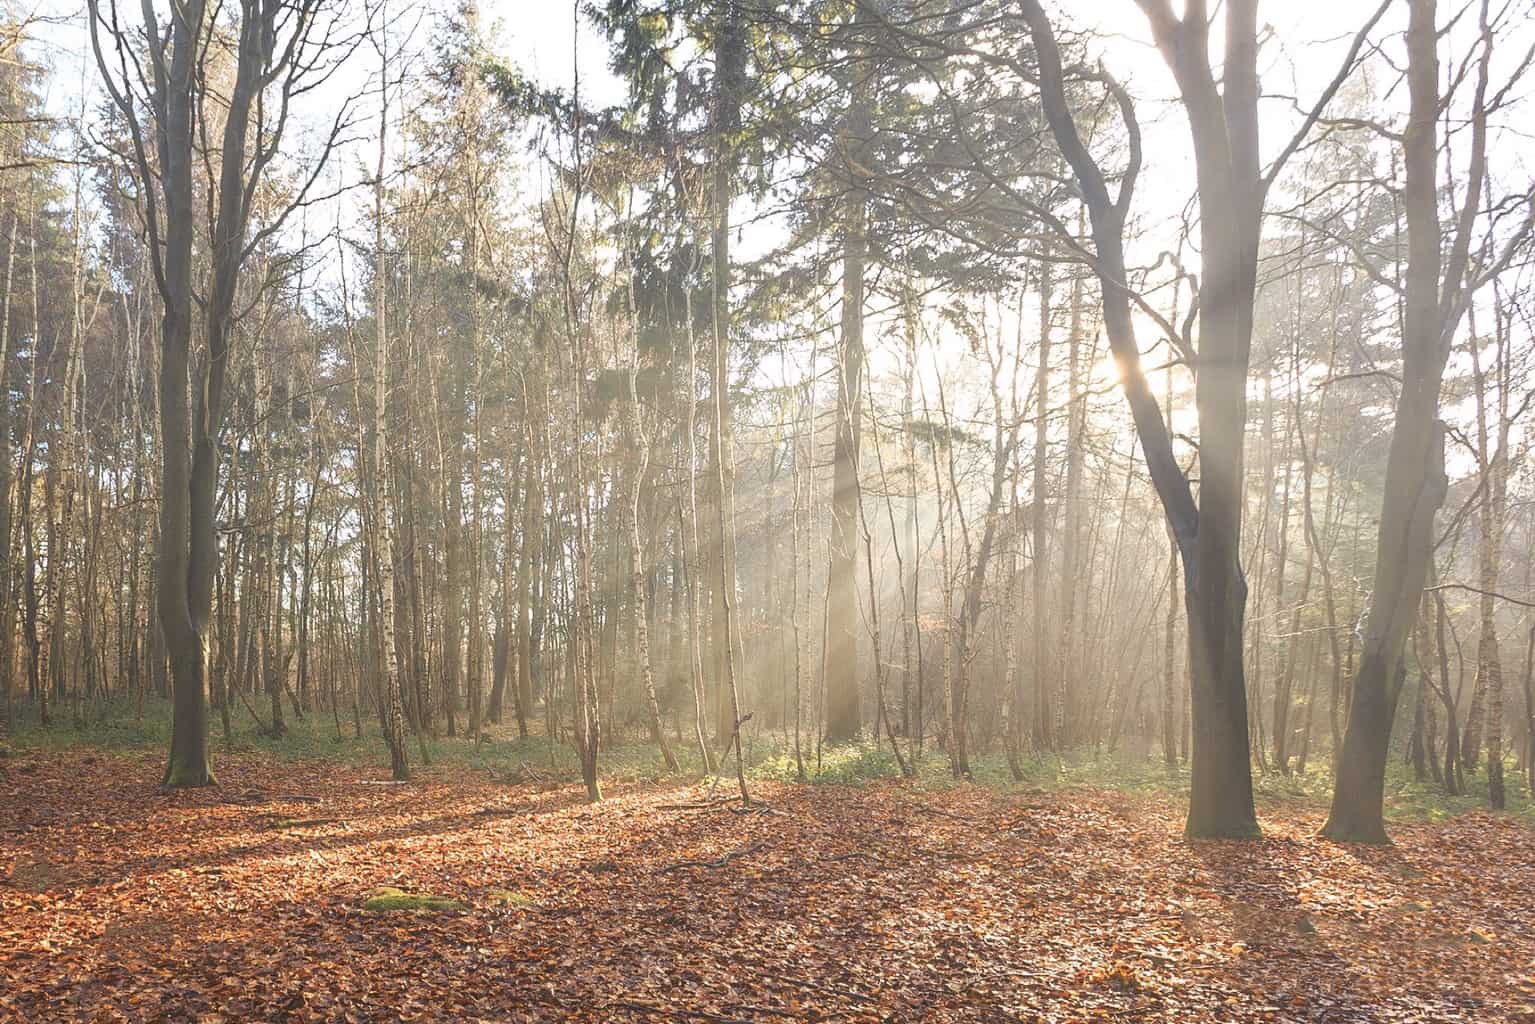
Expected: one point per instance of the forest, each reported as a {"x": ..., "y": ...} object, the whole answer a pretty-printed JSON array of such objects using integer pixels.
[{"x": 761, "y": 510}]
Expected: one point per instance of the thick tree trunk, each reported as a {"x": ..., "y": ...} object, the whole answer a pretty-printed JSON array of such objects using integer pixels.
[
  {"x": 188, "y": 544},
  {"x": 1415, "y": 482},
  {"x": 1225, "y": 147},
  {"x": 188, "y": 764}
]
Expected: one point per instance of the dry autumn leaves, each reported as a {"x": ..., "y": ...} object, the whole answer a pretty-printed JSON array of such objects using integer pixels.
[{"x": 290, "y": 893}]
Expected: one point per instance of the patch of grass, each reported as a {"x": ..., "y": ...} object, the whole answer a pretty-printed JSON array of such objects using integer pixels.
[
  {"x": 389, "y": 900},
  {"x": 1409, "y": 799},
  {"x": 532, "y": 758},
  {"x": 1084, "y": 768},
  {"x": 511, "y": 898},
  {"x": 852, "y": 764},
  {"x": 115, "y": 726}
]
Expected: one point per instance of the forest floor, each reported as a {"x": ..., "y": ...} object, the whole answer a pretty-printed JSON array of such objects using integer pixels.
[{"x": 882, "y": 902}]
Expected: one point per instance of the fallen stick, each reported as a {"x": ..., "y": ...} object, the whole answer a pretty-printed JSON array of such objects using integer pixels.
[
  {"x": 524, "y": 772},
  {"x": 699, "y": 806},
  {"x": 742, "y": 852},
  {"x": 945, "y": 814}
]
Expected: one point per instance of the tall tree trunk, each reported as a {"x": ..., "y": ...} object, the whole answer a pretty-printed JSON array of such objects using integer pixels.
[
  {"x": 731, "y": 56},
  {"x": 1172, "y": 676},
  {"x": 916, "y": 719},
  {"x": 503, "y": 643},
  {"x": 725, "y": 121},
  {"x": 453, "y": 548},
  {"x": 1529, "y": 711},
  {"x": 1224, "y": 129},
  {"x": 190, "y": 449},
  {"x": 638, "y": 589},
  {"x": 843, "y": 720},
  {"x": 180, "y": 622},
  {"x": 529, "y": 567},
  {"x": 7, "y": 601},
  {"x": 1050, "y": 721},
  {"x": 381, "y": 493},
  {"x": 1415, "y": 482},
  {"x": 1492, "y": 450},
  {"x": 1067, "y": 648},
  {"x": 954, "y": 708}
]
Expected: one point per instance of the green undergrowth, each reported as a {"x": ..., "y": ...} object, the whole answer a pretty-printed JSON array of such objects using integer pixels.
[
  {"x": 1407, "y": 799},
  {"x": 120, "y": 727}
]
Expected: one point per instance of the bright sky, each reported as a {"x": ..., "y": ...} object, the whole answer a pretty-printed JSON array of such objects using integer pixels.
[
  {"x": 1305, "y": 41},
  {"x": 1308, "y": 40},
  {"x": 546, "y": 38},
  {"x": 537, "y": 36}
]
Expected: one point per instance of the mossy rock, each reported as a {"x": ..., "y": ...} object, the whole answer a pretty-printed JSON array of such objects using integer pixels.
[
  {"x": 389, "y": 899},
  {"x": 511, "y": 898}
]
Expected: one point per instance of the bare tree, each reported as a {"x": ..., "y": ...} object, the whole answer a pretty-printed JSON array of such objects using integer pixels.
[
  {"x": 1439, "y": 284},
  {"x": 282, "y": 50}
]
